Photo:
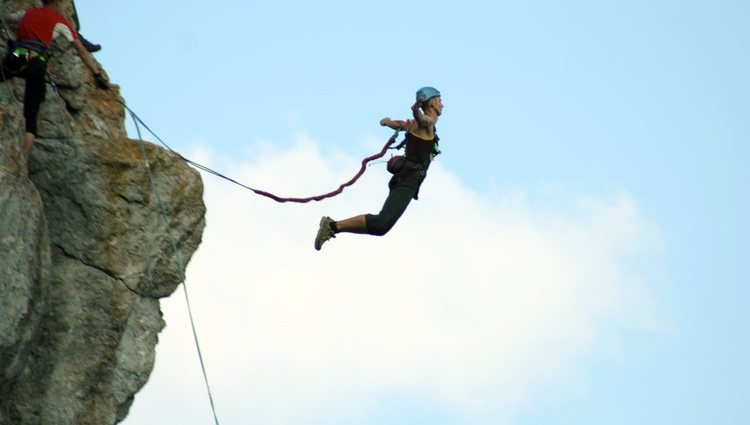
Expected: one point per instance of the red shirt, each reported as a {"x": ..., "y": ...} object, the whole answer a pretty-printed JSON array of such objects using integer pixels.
[{"x": 43, "y": 24}]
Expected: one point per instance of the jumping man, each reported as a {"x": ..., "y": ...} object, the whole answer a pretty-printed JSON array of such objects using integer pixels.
[
  {"x": 28, "y": 59},
  {"x": 421, "y": 146}
]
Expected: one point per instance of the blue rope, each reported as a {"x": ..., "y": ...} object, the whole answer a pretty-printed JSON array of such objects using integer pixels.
[{"x": 180, "y": 263}]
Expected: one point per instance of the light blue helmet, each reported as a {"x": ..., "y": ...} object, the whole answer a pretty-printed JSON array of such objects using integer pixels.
[{"x": 426, "y": 93}]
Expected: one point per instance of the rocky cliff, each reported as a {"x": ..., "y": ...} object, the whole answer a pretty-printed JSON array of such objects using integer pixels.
[{"x": 85, "y": 254}]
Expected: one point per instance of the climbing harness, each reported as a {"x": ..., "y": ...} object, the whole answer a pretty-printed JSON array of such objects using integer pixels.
[
  {"x": 20, "y": 58},
  {"x": 397, "y": 162},
  {"x": 20, "y": 52},
  {"x": 30, "y": 49},
  {"x": 276, "y": 198}
]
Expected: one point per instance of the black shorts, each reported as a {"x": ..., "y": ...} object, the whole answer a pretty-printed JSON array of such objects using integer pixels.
[{"x": 404, "y": 187}]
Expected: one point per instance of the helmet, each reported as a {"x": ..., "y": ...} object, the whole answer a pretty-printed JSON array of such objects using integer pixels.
[{"x": 426, "y": 93}]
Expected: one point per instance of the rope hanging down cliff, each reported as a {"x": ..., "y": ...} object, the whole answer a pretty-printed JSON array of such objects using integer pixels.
[
  {"x": 363, "y": 167},
  {"x": 180, "y": 265}
]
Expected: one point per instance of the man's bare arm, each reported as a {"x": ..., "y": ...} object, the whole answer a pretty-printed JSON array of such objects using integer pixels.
[
  {"x": 422, "y": 120},
  {"x": 101, "y": 80},
  {"x": 85, "y": 56},
  {"x": 396, "y": 124}
]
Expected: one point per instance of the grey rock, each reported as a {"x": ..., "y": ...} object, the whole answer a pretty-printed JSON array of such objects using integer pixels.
[{"x": 85, "y": 252}]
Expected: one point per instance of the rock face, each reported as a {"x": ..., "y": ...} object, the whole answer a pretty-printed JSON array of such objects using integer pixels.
[{"x": 85, "y": 253}]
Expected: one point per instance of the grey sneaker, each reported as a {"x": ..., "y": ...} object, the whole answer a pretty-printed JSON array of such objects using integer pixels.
[{"x": 324, "y": 232}]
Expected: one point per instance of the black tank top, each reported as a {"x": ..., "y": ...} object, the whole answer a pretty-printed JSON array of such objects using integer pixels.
[{"x": 418, "y": 149}]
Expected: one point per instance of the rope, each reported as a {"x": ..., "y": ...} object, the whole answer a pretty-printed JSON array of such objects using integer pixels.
[
  {"x": 180, "y": 264},
  {"x": 276, "y": 198}
]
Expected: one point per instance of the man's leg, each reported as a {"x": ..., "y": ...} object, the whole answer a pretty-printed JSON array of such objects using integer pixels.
[
  {"x": 378, "y": 225},
  {"x": 28, "y": 141},
  {"x": 34, "y": 93},
  {"x": 356, "y": 224},
  {"x": 394, "y": 206}
]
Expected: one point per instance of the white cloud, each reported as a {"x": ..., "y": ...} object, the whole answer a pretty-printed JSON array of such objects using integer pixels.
[{"x": 472, "y": 302}]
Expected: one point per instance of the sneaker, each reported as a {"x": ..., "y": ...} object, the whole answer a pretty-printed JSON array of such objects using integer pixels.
[
  {"x": 324, "y": 232},
  {"x": 90, "y": 47}
]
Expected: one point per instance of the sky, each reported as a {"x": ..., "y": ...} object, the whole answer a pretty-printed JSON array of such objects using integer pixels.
[{"x": 579, "y": 251}]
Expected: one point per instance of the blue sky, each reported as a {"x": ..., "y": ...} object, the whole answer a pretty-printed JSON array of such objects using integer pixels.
[{"x": 616, "y": 131}]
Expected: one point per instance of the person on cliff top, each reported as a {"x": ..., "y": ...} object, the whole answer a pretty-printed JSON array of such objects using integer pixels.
[
  {"x": 421, "y": 146},
  {"x": 28, "y": 56}
]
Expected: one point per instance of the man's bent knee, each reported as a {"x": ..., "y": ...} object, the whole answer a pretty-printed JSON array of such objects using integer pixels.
[{"x": 376, "y": 226}]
